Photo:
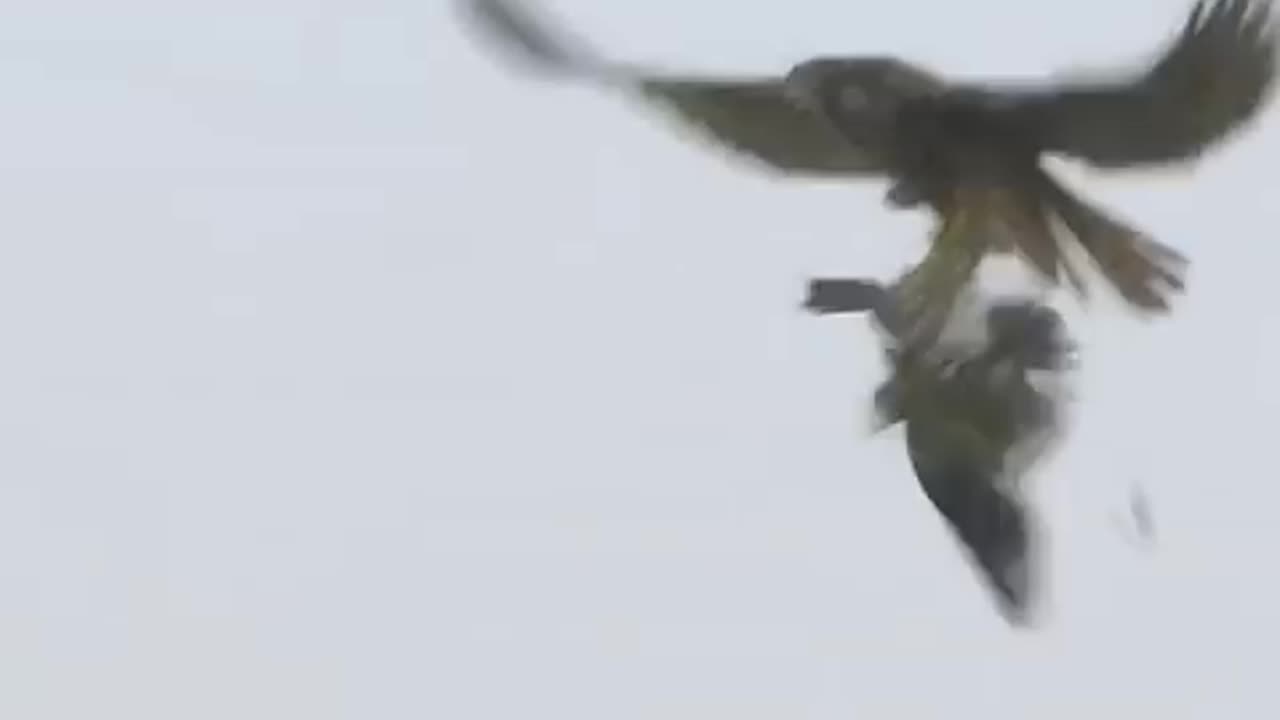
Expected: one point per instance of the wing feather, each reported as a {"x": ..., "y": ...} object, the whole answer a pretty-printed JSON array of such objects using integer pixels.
[
  {"x": 1206, "y": 85},
  {"x": 750, "y": 116},
  {"x": 754, "y": 118}
]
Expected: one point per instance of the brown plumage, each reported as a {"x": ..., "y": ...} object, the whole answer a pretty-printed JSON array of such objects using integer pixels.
[{"x": 971, "y": 152}]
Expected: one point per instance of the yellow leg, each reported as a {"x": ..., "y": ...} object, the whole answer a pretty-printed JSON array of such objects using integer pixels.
[{"x": 929, "y": 289}]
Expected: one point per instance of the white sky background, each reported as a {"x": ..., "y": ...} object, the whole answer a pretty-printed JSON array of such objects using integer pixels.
[{"x": 347, "y": 374}]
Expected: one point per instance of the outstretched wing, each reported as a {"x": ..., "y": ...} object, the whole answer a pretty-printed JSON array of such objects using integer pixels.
[
  {"x": 994, "y": 527},
  {"x": 1209, "y": 83},
  {"x": 755, "y": 119},
  {"x": 751, "y": 116}
]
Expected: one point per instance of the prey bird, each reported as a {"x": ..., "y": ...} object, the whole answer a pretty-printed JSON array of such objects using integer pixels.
[
  {"x": 974, "y": 424},
  {"x": 970, "y": 151}
]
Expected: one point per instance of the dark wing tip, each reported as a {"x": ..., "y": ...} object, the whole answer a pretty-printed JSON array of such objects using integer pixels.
[
  {"x": 842, "y": 295},
  {"x": 521, "y": 34},
  {"x": 1211, "y": 81},
  {"x": 996, "y": 530},
  {"x": 1000, "y": 540},
  {"x": 1225, "y": 59}
]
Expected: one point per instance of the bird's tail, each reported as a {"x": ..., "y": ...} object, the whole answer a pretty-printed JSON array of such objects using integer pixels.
[
  {"x": 1146, "y": 273},
  {"x": 1009, "y": 218}
]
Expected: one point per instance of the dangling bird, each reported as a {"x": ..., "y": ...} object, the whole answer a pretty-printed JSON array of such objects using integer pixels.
[
  {"x": 969, "y": 151},
  {"x": 973, "y": 426}
]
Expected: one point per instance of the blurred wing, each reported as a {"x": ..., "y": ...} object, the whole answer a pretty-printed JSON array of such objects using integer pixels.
[
  {"x": 995, "y": 528},
  {"x": 751, "y": 116},
  {"x": 1208, "y": 84},
  {"x": 529, "y": 40},
  {"x": 754, "y": 118}
]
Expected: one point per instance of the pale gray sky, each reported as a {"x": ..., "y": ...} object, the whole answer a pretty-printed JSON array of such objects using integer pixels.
[{"x": 304, "y": 417}]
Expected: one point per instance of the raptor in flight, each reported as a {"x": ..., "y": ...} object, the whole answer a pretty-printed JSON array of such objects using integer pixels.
[{"x": 971, "y": 151}]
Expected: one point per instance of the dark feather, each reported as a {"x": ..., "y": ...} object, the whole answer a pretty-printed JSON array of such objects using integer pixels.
[
  {"x": 843, "y": 295},
  {"x": 1208, "y": 84},
  {"x": 1032, "y": 336},
  {"x": 529, "y": 39},
  {"x": 754, "y": 118},
  {"x": 750, "y": 116},
  {"x": 993, "y": 526}
]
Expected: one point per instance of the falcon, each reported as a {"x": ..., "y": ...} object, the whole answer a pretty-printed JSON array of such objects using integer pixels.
[
  {"x": 974, "y": 425},
  {"x": 970, "y": 151}
]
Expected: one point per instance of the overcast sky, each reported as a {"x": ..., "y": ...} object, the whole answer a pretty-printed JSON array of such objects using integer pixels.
[{"x": 346, "y": 374}]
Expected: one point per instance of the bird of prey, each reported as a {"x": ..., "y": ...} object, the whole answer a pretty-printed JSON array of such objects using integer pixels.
[
  {"x": 974, "y": 426},
  {"x": 970, "y": 151}
]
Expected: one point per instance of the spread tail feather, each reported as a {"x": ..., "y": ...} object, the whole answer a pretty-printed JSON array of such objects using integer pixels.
[
  {"x": 1146, "y": 273},
  {"x": 1028, "y": 221},
  {"x": 1018, "y": 219}
]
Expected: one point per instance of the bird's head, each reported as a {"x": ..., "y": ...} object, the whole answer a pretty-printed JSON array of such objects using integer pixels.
[
  {"x": 1034, "y": 334},
  {"x": 856, "y": 84}
]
